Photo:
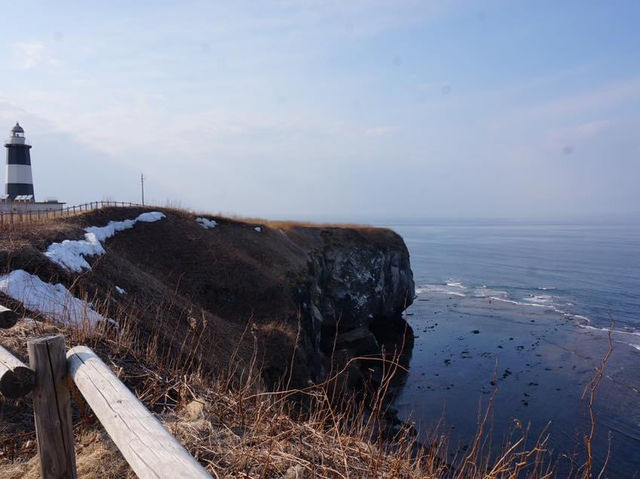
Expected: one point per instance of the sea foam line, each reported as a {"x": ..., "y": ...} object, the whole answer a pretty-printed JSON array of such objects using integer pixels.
[{"x": 455, "y": 288}]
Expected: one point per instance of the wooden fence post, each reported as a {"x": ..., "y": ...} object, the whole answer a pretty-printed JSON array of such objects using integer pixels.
[{"x": 52, "y": 408}]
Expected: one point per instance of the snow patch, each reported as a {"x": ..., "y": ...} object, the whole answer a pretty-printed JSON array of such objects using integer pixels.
[
  {"x": 258, "y": 229},
  {"x": 51, "y": 300},
  {"x": 150, "y": 217},
  {"x": 207, "y": 223},
  {"x": 120, "y": 290},
  {"x": 70, "y": 254}
]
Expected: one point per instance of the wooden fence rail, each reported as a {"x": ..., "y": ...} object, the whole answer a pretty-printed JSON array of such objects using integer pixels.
[
  {"x": 16, "y": 379},
  {"x": 15, "y": 217},
  {"x": 150, "y": 450},
  {"x": 7, "y": 318}
]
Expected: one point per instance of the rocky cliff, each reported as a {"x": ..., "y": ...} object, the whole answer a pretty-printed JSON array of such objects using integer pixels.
[
  {"x": 353, "y": 298},
  {"x": 310, "y": 293}
]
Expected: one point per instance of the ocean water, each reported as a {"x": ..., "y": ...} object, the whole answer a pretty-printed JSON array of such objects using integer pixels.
[{"x": 523, "y": 311}]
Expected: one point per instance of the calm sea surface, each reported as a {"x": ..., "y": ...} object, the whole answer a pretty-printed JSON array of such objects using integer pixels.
[{"x": 525, "y": 310}]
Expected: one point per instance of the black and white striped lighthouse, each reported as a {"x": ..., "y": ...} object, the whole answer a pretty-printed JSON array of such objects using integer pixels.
[{"x": 19, "y": 181}]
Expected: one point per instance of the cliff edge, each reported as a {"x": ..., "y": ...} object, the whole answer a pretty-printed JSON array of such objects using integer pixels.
[{"x": 288, "y": 296}]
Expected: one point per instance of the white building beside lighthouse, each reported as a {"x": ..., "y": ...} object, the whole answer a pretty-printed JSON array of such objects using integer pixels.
[{"x": 19, "y": 193}]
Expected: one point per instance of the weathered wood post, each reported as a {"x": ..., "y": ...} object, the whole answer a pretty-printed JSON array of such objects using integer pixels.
[
  {"x": 16, "y": 379},
  {"x": 8, "y": 318},
  {"x": 52, "y": 408}
]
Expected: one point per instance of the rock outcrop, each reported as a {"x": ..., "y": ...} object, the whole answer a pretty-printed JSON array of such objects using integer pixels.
[{"x": 353, "y": 301}]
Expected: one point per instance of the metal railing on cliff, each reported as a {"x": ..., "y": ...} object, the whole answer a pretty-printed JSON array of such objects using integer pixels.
[{"x": 35, "y": 216}]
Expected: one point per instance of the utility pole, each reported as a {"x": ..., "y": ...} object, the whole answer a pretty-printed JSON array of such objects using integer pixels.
[{"x": 142, "y": 186}]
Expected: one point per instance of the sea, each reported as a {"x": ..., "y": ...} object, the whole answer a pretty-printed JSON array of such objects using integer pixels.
[{"x": 516, "y": 325}]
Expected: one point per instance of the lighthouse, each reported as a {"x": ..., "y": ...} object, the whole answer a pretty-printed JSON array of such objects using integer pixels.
[
  {"x": 19, "y": 181},
  {"x": 18, "y": 194}
]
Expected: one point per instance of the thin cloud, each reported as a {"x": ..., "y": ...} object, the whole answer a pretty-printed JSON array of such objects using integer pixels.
[
  {"x": 603, "y": 97},
  {"x": 380, "y": 131},
  {"x": 31, "y": 55}
]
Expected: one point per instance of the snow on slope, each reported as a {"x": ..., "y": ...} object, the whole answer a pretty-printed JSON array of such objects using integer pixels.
[
  {"x": 70, "y": 254},
  {"x": 207, "y": 223},
  {"x": 51, "y": 300}
]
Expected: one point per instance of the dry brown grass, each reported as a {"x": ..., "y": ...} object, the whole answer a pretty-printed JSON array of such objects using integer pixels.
[
  {"x": 37, "y": 234},
  {"x": 96, "y": 458},
  {"x": 237, "y": 428},
  {"x": 282, "y": 224}
]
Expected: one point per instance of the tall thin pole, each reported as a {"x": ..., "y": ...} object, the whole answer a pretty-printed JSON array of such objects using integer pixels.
[{"x": 142, "y": 186}]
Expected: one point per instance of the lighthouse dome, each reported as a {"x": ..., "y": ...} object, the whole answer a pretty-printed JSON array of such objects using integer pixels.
[{"x": 16, "y": 137}]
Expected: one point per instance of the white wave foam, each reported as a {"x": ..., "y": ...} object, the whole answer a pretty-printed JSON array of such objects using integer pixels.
[
  {"x": 549, "y": 307},
  {"x": 484, "y": 292},
  {"x": 438, "y": 289},
  {"x": 621, "y": 336},
  {"x": 616, "y": 332},
  {"x": 593, "y": 328},
  {"x": 547, "y": 302},
  {"x": 511, "y": 301},
  {"x": 454, "y": 287},
  {"x": 539, "y": 299}
]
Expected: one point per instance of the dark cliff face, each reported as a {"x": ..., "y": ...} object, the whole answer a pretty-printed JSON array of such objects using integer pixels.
[{"x": 352, "y": 303}]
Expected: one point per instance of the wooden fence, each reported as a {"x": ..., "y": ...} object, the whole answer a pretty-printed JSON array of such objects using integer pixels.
[
  {"x": 150, "y": 450},
  {"x": 26, "y": 216}
]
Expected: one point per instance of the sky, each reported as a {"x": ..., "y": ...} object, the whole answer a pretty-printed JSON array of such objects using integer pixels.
[{"x": 334, "y": 109}]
